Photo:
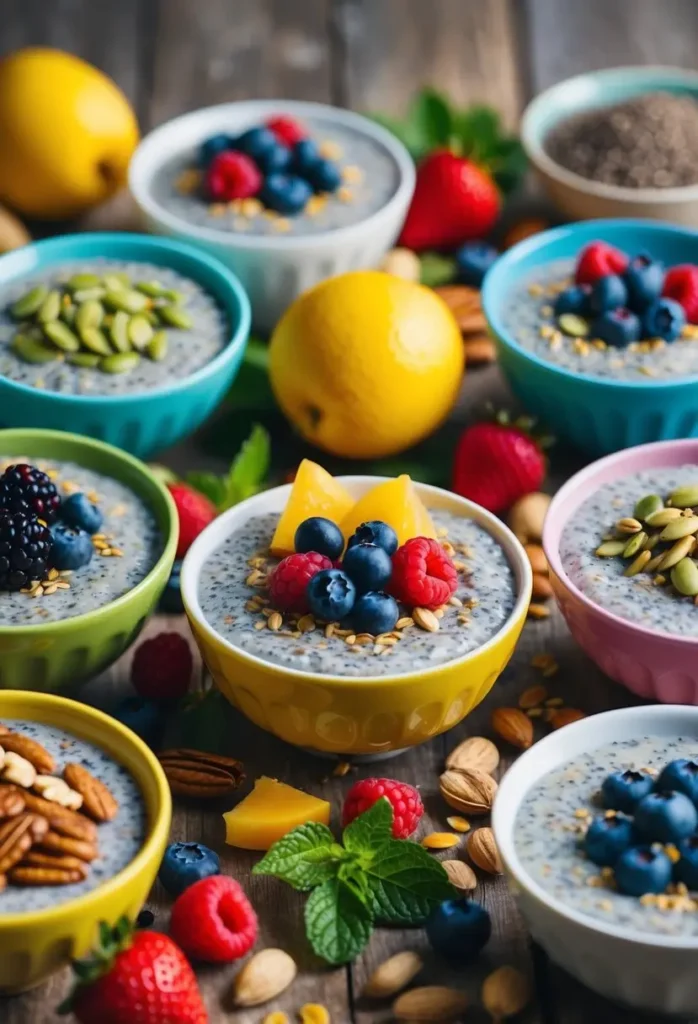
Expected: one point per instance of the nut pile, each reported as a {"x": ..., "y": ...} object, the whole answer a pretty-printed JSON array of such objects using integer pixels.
[
  {"x": 464, "y": 302},
  {"x": 526, "y": 518}
]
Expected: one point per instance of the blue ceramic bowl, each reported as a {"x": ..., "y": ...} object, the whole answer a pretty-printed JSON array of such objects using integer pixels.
[
  {"x": 144, "y": 421},
  {"x": 596, "y": 414}
]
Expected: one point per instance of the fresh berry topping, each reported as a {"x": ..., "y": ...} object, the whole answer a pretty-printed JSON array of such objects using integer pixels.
[
  {"x": 26, "y": 489},
  {"x": 622, "y": 791},
  {"x": 423, "y": 574},
  {"x": 606, "y": 839},
  {"x": 186, "y": 863},
  {"x": 375, "y": 532},
  {"x": 320, "y": 534},
  {"x": 210, "y": 148},
  {"x": 285, "y": 193},
  {"x": 171, "y": 597},
  {"x": 72, "y": 548},
  {"x": 681, "y": 283},
  {"x": 495, "y": 465},
  {"x": 573, "y": 300},
  {"x": 474, "y": 259},
  {"x": 288, "y": 581},
  {"x": 276, "y": 160},
  {"x": 214, "y": 921},
  {"x": 665, "y": 319},
  {"x": 597, "y": 260},
  {"x": 324, "y": 176},
  {"x": 256, "y": 142},
  {"x": 608, "y": 292},
  {"x": 686, "y": 869},
  {"x": 618, "y": 327},
  {"x": 644, "y": 279},
  {"x": 162, "y": 667},
  {"x": 25, "y": 549},
  {"x": 286, "y": 129},
  {"x": 369, "y": 566},
  {"x": 665, "y": 817},
  {"x": 682, "y": 777},
  {"x": 79, "y": 511},
  {"x": 375, "y": 612},
  {"x": 405, "y": 801},
  {"x": 194, "y": 512},
  {"x": 144, "y": 717},
  {"x": 458, "y": 929},
  {"x": 330, "y": 595},
  {"x": 642, "y": 869},
  {"x": 305, "y": 156},
  {"x": 231, "y": 176}
]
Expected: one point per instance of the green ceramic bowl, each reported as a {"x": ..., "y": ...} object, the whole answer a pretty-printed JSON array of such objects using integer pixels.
[{"x": 56, "y": 655}]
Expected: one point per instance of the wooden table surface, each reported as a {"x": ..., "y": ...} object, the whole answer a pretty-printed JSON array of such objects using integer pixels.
[{"x": 175, "y": 55}]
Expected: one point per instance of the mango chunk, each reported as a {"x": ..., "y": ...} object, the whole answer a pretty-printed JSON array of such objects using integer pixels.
[
  {"x": 270, "y": 811},
  {"x": 314, "y": 493},
  {"x": 395, "y": 502}
]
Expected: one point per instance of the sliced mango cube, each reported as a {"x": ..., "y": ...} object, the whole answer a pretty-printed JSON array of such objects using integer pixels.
[
  {"x": 314, "y": 493},
  {"x": 270, "y": 811},
  {"x": 395, "y": 502}
]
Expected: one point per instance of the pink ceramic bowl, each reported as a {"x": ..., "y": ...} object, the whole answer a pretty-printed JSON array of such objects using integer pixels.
[{"x": 654, "y": 665}]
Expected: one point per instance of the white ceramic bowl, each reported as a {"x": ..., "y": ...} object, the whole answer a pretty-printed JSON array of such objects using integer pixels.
[
  {"x": 273, "y": 270},
  {"x": 642, "y": 971}
]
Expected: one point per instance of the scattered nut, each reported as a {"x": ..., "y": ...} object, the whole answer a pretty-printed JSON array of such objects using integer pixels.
[
  {"x": 393, "y": 974},
  {"x": 506, "y": 992},
  {"x": 542, "y": 587},
  {"x": 440, "y": 841},
  {"x": 536, "y": 556},
  {"x": 468, "y": 790},
  {"x": 458, "y": 824},
  {"x": 18, "y": 770},
  {"x": 433, "y": 1003},
  {"x": 476, "y": 752},
  {"x": 526, "y": 516},
  {"x": 513, "y": 726},
  {"x": 460, "y": 875},
  {"x": 483, "y": 852},
  {"x": 565, "y": 716},
  {"x": 264, "y": 976},
  {"x": 532, "y": 697},
  {"x": 401, "y": 262}
]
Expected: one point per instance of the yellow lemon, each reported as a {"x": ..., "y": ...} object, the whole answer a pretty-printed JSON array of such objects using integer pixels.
[
  {"x": 66, "y": 134},
  {"x": 366, "y": 364}
]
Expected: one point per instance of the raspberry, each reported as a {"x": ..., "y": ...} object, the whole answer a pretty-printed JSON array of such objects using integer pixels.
[
  {"x": 406, "y": 802},
  {"x": 286, "y": 130},
  {"x": 288, "y": 581},
  {"x": 232, "y": 175},
  {"x": 681, "y": 284},
  {"x": 214, "y": 921},
  {"x": 598, "y": 260},
  {"x": 162, "y": 667},
  {"x": 194, "y": 512},
  {"x": 423, "y": 574}
]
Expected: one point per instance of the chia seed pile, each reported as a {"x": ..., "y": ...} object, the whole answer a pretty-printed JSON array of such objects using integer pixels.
[
  {"x": 650, "y": 141},
  {"x": 238, "y": 611}
]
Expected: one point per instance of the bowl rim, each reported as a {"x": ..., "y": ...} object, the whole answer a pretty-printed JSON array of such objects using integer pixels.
[
  {"x": 231, "y": 295},
  {"x": 219, "y": 530},
  {"x": 533, "y": 143},
  {"x": 492, "y": 302},
  {"x": 159, "y": 828},
  {"x": 506, "y": 807},
  {"x": 87, "y": 619},
  {"x": 141, "y": 173},
  {"x": 552, "y": 551}
]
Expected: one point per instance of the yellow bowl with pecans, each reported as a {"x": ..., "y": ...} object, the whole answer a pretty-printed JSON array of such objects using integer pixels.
[{"x": 36, "y": 943}]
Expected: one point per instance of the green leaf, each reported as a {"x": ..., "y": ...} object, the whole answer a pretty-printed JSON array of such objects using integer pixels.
[
  {"x": 305, "y": 857},
  {"x": 477, "y": 130},
  {"x": 249, "y": 469},
  {"x": 406, "y": 883},
  {"x": 370, "y": 831},
  {"x": 430, "y": 119},
  {"x": 337, "y": 923},
  {"x": 436, "y": 270},
  {"x": 209, "y": 484}
]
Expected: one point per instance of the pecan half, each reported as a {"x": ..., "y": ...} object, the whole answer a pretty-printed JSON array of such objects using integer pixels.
[
  {"x": 97, "y": 801},
  {"x": 11, "y": 802},
  {"x": 64, "y": 862},
  {"x": 29, "y": 876},
  {"x": 195, "y": 773},
  {"x": 31, "y": 750},
  {"x": 17, "y": 836},
  {"x": 52, "y": 842},
  {"x": 61, "y": 819},
  {"x": 464, "y": 303}
]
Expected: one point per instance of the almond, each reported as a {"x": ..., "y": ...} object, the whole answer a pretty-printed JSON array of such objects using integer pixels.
[
  {"x": 31, "y": 751},
  {"x": 476, "y": 752},
  {"x": 96, "y": 799},
  {"x": 513, "y": 726},
  {"x": 193, "y": 773},
  {"x": 264, "y": 976},
  {"x": 506, "y": 992},
  {"x": 425, "y": 619},
  {"x": 536, "y": 556},
  {"x": 433, "y": 1003},
  {"x": 526, "y": 516},
  {"x": 393, "y": 975},
  {"x": 469, "y": 791},
  {"x": 460, "y": 875},
  {"x": 565, "y": 716},
  {"x": 533, "y": 697},
  {"x": 483, "y": 852},
  {"x": 542, "y": 587}
]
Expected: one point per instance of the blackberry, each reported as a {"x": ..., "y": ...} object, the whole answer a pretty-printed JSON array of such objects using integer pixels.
[
  {"x": 24, "y": 488},
  {"x": 25, "y": 549}
]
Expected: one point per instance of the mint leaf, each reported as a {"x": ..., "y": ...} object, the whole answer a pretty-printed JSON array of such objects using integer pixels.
[
  {"x": 430, "y": 120},
  {"x": 305, "y": 857},
  {"x": 208, "y": 484},
  {"x": 436, "y": 270},
  {"x": 337, "y": 923},
  {"x": 405, "y": 883},
  {"x": 249, "y": 469},
  {"x": 370, "y": 831}
]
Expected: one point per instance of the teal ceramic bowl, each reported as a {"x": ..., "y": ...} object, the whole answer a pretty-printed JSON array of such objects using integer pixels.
[
  {"x": 141, "y": 422},
  {"x": 55, "y": 656}
]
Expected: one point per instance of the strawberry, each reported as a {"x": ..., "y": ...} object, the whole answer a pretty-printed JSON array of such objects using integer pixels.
[
  {"x": 194, "y": 511},
  {"x": 137, "y": 977},
  {"x": 496, "y": 464},
  {"x": 454, "y": 200}
]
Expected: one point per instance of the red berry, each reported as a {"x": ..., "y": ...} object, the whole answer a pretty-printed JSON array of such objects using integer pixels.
[
  {"x": 232, "y": 175},
  {"x": 406, "y": 802},
  {"x": 162, "y": 667},
  {"x": 598, "y": 260},
  {"x": 423, "y": 574},
  {"x": 194, "y": 512},
  {"x": 681, "y": 283},
  {"x": 214, "y": 921},
  {"x": 289, "y": 579},
  {"x": 495, "y": 465},
  {"x": 287, "y": 130}
]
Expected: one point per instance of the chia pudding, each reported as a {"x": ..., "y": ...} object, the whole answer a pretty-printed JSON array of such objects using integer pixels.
[
  {"x": 642, "y": 598},
  {"x": 552, "y": 819},
  {"x": 485, "y": 598},
  {"x": 187, "y": 349},
  {"x": 118, "y": 840}
]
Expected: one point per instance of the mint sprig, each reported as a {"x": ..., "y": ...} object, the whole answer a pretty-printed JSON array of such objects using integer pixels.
[
  {"x": 246, "y": 476},
  {"x": 369, "y": 878}
]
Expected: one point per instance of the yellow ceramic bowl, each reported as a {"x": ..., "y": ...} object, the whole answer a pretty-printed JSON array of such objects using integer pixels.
[
  {"x": 35, "y": 944},
  {"x": 354, "y": 715}
]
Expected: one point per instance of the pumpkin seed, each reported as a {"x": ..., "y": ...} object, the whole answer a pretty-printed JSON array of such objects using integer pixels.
[
  {"x": 126, "y": 299},
  {"x": 140, "y": 331},
  {"x": 684, "y": 576},
  {"x": 173, "y": 316},
  {"x": 32, "y": 350},
  {"x": 118, "y": 332},
  {"x": 152, "y": 317},
  {"x": 151, "y": 288},
  {"x": 674, "y": 555},
  {"x": 638, "y": 565},
  {"x": 684, "y": 497},
  {"x": 116, "y": 282},
  {"x": 178, "y": 298},
  {"x": 29, "y": 303},
  {"x": 78, "y": 282},
  {"x": 88, "y": 360},
  {"x": 685, "y": 526},
  {"x": 68, "y": 313},
  {"x": 95, "y": 340},
  {"x": 647, "y": 505},
  {"x": 628, "y": 525},
  {"x": 62, "y": 336},
  {"x": 89, "y": 314},
  {"x": 49, "y": 308},
  {"x": 651, "y": 542},
  {"x": 157, "y": 346},
  {"x": 654, "y": 563},
  {"x": 662, "y": 517},
  {"x": 120, "y": 362},
  {"x": 635, "y": 544},
  {"x": 573, "y": 325},
  {"x": 610, "y": 549},
  {"x": 88, "y": 294}
]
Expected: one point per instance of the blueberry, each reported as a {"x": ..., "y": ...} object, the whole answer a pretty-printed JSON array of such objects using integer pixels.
[
  {"x": 305, "y": 155},
  {"x": 621, "y": 791},
  {"x": 618, "y": 327},
  {"x": 285, "y": 193},
  {"x": 321, "y": 535},
  {"x": 641, "y": 869},
  {"x": 474, "y": 259},
  {"x": 608, "y": 292},
  {"x": 686, "y": 868},
  {"x": 375, "y": 612},
  {"x": 606, "y": 839},
  {"x": 276, "y": 159},
  {"x": 682, "y": 777},
  {"x": 375, "y": 532},
  {"x": 665, "y": 817},
  {"x": 644, "y": 280},
  {"x": 573, "y": 300},
  {"x": 71, "y": 549},
  {"x": 79, "y": 511},
  {"x": 146, "y": 919},
  {"x": 171, "y": 597},
  {"x": 256, "y": 143},
  {"x": 143, "y": 716},
  {"x": 186, "y": 863},
  {"x": 331, "y": 595},
  {"x": 210, "y": 148},
  {"x": 458, "y": 929},
  {"x": 369, "y": 566},
  {"x": 665, "y": 319},
  {"x": 323, "y": 175}
]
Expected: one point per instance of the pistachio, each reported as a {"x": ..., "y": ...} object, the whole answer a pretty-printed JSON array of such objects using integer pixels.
[
  {"x": 79, "y": 282},
  {"x": 505, "y": 993},
  {"x": 651, "y": 542},
  {"x": 662, "y": 517},
  {"x": 635, "y": 544},
  {"x": 628, "y": 525},
  {"x": 173, "y": 316},
  {"x": 29, "y": 303},
  {"x": 685, "y": 526},
  {"x": 654, "y": 563},
  {"x": 610, "y": 548},
  {"x": 573, "y": 325},
  {"x": 684, "y": 497},
  {"x": 62, "y": 336},
  {"x": 89, "y": 294},
  {"x": 89, "y": 314},
  {"x": 33, "y": 350},
  {"x": 116, "y": 281},
  {"x": 638, "y": 564},
  {"x": 684, "y": 576},
  {"x": 49, "y": 308},
  {"x": 118, "y": 332},
  {"x": 87, "y": 360},
  {"x": 153, "y": 289},
  {"x": 647, "y": 505},
  {"x": 675, "y": 553},
  {"x": 120, "y": 362},
  {"x": 126, "y": 299},
  {"x": 156, "y": 349},
  {"x": 178, "y": 298},
  {"x": 95, "y": 340},
  {"x": 140, "y": 332},
  {"x": 68, "y": 313}
]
